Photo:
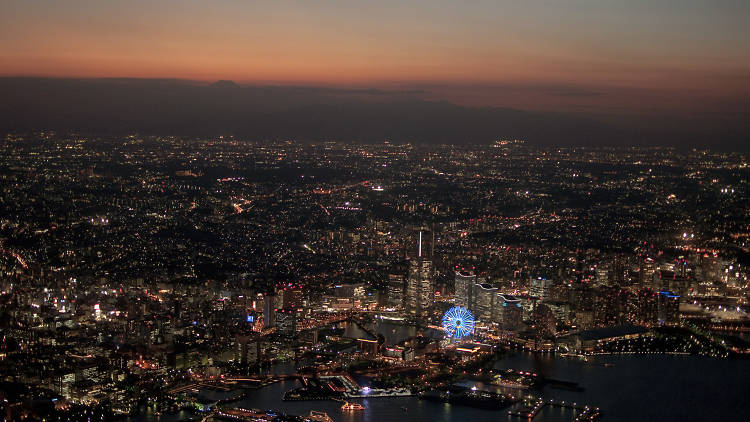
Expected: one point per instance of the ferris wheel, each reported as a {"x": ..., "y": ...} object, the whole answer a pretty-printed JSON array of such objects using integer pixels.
[{"x": 458, "y": 322}]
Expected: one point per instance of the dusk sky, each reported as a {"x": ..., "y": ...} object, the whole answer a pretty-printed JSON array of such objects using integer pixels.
[{"x": 635, "y": 56}]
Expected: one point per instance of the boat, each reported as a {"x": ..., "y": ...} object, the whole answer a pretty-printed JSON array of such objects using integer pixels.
[
  {"x": 404, "y": 408},
  {"x": 352, "y": 406},
  {"x": 318, "y": 416}
]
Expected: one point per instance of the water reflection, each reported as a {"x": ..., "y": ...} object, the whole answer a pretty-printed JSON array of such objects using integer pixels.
[
  {"x": 393, "y": 332},
  {"x": 652, "y": 387}
]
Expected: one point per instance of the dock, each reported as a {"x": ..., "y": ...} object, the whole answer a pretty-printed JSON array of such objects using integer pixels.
[{"x": 586, "y": 413}]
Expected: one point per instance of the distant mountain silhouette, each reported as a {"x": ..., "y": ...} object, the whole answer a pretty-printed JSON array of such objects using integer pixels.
[
  {"x": 168, "y": 106},
  {"x": 225, "y": 84}
]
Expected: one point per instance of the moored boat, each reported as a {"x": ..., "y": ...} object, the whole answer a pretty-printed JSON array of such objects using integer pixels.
[{"x": 352, "y": 406}]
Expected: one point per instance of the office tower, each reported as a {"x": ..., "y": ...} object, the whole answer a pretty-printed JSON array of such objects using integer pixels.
[
  {"x": 540, "y": 288},
  {"x": 286, "y": 321},
  {"x": 291, "y": 296},
  {"x": 646, "y": 308},
  {"x": 247, "y": 350},
  {"x": 420, "y": 292},
  {"x": 647, "y": 271},
  {"x": 464, "y": 282},
  {"x": 396, "y": 288},
  {"x": 511, "y": 311},
  {"x": 484, "y": 296},
  {"x": 668, "y": 308},
  {"x": 269, "y": 310}
]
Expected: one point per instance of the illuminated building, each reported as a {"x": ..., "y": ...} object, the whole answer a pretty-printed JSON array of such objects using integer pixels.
[
  {"x": 644, "y": 307},
  {"x": 286, "y": 321},
  {"x": 672, "y": 280},
  {"x": 291, "y": 295},
  {"x": 464, "y": 282},
  {"x": 484, "y": 296},
  {"x": 608, "y": 307},
  {"x": 350, "y": 291},
  {"x": 368, "y": 347},
  {"x": 399, "y": 352},
  {"x": 396, "y": 287},
  {"x": 668, "y": 308},
  {"x": 648, "y": 270},
  {"x": 269, "y": 310},
  {"x": 540, "y": 288},
  {"x": 544, "y": 321},
  {"x": 420, "y": 290},
  {"x": 247, "y": 350},
  {"x": 512, "y": 312},
  {"x": 470, "y": 351}
]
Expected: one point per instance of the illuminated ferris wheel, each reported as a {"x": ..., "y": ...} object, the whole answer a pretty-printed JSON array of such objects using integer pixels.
[{"x": 458, "y": 322}]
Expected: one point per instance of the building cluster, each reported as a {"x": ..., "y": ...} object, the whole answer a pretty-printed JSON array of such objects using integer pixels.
[{"x": 151, "y": 261}]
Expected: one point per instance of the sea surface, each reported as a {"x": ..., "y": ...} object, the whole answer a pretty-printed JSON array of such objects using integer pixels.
[{"x": 626, "y": 387}]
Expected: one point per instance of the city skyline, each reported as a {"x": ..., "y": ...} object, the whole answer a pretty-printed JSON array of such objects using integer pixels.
[
  {"x": 353, "y": 211},
  {"x": 165, "y": 278}
]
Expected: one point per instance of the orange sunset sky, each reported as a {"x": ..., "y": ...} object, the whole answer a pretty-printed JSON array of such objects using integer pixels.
[{"x": 624, "y": 56}]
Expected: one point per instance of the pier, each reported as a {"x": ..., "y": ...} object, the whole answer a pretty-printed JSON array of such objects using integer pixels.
[{"x": 585, "y": 413}]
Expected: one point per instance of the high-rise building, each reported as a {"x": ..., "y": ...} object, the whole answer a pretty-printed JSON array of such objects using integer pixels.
[
  {"x": 610, "y": 306},
  {"x": 673, "y": 281},
  {"x": 464, "y": 282},
  {"x": 420, "y": 291},
  {"x": 668, "y": 308},
  {"x": 269, "y": 310},
  {"x": 484, "y": 296},
  {"x": 291, "y": 295},
  {"x": 511, "y": 311},
  {"x": 247, "y": 350},
  {"x": 544, "y": 321},
  {"x": 419, "y": 288},
  {"x": 647, "y": 271},
  {"x": 286, "y": 321},
  {"x": 643, "y": 309},
  {"x": 540, "y": 288},
  {"x": 396, "y": 288}
]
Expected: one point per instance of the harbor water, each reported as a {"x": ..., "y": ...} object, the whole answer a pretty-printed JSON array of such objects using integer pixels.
[{"x": 649, "y": 387}]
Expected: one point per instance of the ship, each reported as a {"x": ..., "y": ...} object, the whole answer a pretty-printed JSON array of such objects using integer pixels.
[{"x": 352, "y": 406}]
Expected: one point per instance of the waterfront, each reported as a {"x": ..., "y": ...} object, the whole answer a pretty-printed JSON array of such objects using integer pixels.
[
  {"x": 627, "y": 388},
  {"x": 392, "y": 331},
  {"x": 650, "y": 387},
  {"x": 136, "y": 271}
]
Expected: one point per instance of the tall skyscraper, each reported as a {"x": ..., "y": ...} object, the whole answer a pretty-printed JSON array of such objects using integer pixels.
[
  {"x": 464, "y": 281},
  {"x": 396, "y": 288},
  {"x": 420, "y": 291},
  {"x": 484, "y": 296},
  {"x": 269, "y": 310}
]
